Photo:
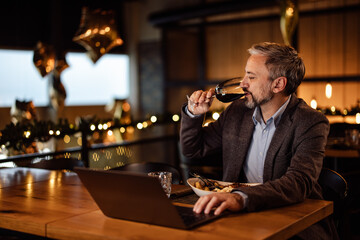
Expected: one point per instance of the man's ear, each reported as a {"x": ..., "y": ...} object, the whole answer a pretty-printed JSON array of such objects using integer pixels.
[{"x": 279, "y": 84}]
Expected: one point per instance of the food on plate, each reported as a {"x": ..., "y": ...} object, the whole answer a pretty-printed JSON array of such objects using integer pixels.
[{"x": 219, "y": 187}]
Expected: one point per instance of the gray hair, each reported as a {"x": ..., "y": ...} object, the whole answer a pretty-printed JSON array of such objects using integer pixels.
[{"x": 282, "y": 61}]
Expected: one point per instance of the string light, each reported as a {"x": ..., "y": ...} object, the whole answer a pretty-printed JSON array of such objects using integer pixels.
[
  {"x": 175, "y": 118},
  {"x": 139, "y": 126},
  {"x": 215, "y": 115},
  {"x": 333, "y": 109},
  {"x": 153, "y": 119},
  {"x": 64, "y": 128},
  {"x": 27, "y": 134},
  {"x": 66, "y": 139},
  {"x": 313, "y": 103}
]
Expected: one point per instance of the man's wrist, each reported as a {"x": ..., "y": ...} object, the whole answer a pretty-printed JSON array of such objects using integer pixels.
[
  {"x": 187, "y": 111},
  {"x": 244, "y": 197}
]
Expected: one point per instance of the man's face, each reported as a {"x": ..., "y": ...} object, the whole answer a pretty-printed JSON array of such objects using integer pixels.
[{"x": 256, "y": 82}]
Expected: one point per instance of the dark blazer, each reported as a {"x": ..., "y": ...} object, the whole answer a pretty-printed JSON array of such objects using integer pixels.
[{"x": 292, "y": 164}]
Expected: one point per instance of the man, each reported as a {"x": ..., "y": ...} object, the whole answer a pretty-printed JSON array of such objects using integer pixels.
[{"x": 270, "y": 136}]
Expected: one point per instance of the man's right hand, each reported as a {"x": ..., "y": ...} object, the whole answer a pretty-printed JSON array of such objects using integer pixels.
[
  {"x": 220, "y": 201},
  {"x": 200, "y": 101}
]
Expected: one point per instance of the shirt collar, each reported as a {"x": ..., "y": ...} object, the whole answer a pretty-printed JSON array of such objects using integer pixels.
[{"x": 277, "y": 116}]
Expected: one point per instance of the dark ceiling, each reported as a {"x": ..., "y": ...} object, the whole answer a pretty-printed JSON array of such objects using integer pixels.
[
  {"x": 54, "y": 22},
  {"x": 167, "y": 17}
]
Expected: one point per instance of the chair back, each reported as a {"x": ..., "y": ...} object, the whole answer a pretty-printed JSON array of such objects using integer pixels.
[
  {"x": 335, "y": 188},
  {"x": 58, "y": 164},
  {"x": 333, "y": 184},
  {"x": 146, "y": 167}
]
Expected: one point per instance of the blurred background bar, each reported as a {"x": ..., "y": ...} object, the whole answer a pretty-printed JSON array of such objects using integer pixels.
[{"x": 102, "y": 83}]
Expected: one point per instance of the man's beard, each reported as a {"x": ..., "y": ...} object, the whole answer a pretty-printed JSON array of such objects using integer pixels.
[{"x": 254, "y": 102}]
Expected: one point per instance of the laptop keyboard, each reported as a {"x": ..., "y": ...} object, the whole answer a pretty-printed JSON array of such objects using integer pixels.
[{"x": 190, "y": 217}]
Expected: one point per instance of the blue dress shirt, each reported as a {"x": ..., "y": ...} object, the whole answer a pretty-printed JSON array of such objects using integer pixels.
[{"x": 263, "y": 133}]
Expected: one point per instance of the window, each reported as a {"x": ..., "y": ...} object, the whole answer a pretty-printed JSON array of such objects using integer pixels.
[{"x": 85, "y": 83}]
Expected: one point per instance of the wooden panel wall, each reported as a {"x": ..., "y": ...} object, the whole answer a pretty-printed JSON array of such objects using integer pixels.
[
  {"x": 328, "y": 42},
  {"x": 182, "y": 55},
  {"x": 329, "y": 45},
  {"x": 226, "y": 50}
]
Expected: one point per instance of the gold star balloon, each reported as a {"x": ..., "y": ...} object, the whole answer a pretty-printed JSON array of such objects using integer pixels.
[
  {"x": 57, "y": 91},
  {"x": 60, "y": 64},
  {"x": 289, "y": 20},
  {"x": 44, "y": 58},
  {"x": 22, "y": 111},
  {"x": 97, "y": 32}
]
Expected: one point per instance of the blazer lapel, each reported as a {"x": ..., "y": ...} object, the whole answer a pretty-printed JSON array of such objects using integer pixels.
[
  {"x": 274, "y": 147},
  {"x": 245, "y": 132},
  {"x": 278, "y": 138}
]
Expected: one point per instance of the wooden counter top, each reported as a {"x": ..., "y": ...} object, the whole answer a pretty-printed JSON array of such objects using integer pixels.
[
  {"x": 280, "y": 223},
  {"x": 58, "y": 206}
]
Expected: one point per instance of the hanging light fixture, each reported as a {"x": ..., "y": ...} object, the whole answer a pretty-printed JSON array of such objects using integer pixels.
[
  {"x": 328, "y": 90},
  {"x": 289, "y": 20}
]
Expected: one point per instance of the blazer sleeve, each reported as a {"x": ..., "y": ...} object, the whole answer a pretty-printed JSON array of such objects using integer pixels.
[{"x": 198, "y": 141}]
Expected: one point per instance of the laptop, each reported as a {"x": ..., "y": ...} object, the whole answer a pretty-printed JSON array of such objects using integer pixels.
[{"x": 137, "y": 197}]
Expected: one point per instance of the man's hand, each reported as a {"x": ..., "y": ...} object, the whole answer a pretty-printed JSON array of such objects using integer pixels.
[
  {"x": 200, "y": 101},
  {"x": 223, "y": 201}
]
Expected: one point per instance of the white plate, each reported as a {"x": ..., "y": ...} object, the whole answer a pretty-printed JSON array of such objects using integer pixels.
[{"x": 199, "y": 192}]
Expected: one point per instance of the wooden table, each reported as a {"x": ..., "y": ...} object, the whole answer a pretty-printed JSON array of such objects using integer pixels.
[
  {"x": 31, "y": 198},
  {"x": 342, "y": 153},
  {"x": 56, "y": 205},
  {"x": 335, "y": 154}
]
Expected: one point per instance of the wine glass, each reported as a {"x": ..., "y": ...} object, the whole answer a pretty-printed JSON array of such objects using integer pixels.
[
  {"x": 229, "y": 90},
  {"x": 226, "y": 91}
]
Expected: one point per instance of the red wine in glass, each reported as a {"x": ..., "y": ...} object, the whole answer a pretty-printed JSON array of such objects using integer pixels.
[
  {"x": 229, "y": 90},
  {"x": 226, "y": 98}
]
